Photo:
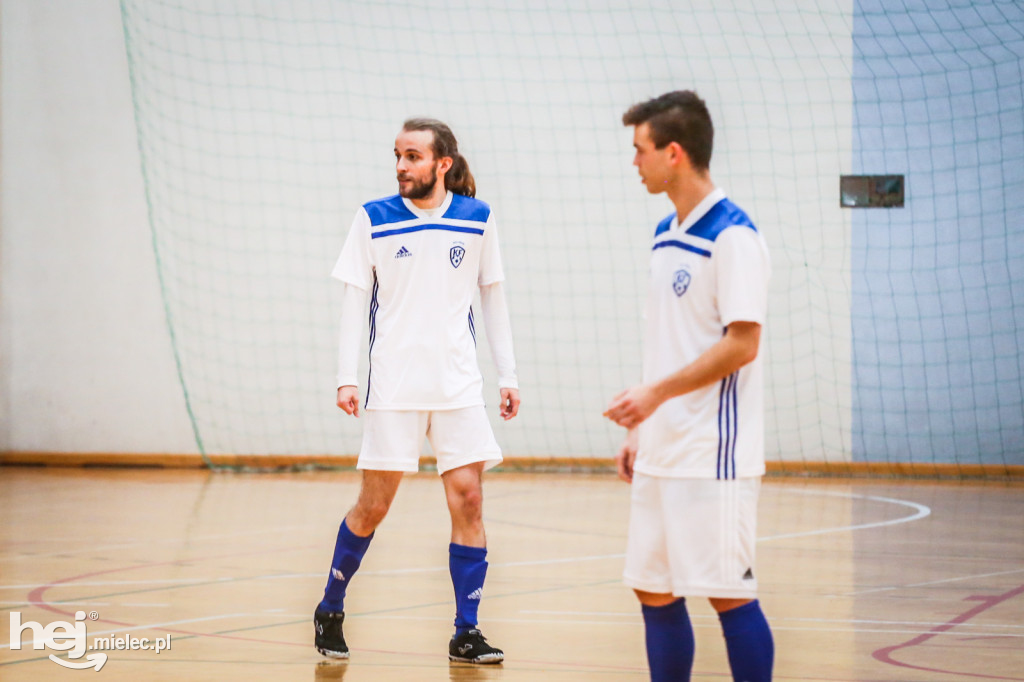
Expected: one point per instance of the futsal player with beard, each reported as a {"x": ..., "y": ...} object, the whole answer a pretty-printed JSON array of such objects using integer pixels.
[{"x": 419, "y": 257}]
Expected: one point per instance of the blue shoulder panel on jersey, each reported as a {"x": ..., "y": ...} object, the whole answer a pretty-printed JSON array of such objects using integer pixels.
[
  {"x": 722, "y": 215},
  {"x": 665, "y": 224},
  {"x": 388, "y": 210},
  {"x": 467, "y": 208}
]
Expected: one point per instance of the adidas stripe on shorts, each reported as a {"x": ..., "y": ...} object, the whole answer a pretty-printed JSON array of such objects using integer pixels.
[
  {"x": 693, "y": 537},
  {"x": 393, "y": 439}
]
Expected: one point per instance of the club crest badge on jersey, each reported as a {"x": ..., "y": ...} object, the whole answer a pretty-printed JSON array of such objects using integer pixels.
[
  {"x": 456, "y": 254},
  {"x": 681, "y": 282}
]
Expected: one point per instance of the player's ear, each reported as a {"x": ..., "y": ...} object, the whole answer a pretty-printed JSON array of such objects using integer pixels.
[
  {"x": 679, "y": 157},
  {"x": 676, "y": 153},
  {"x": 444, "y": 164}
]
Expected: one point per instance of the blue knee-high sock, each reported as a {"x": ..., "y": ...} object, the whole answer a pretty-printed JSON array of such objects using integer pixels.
[
  {"x": 670, "y": 643},
  {"x": 348, "y": 554},
  {"x": 468, "y": 567},
  {"x": 749, "y": 642}
]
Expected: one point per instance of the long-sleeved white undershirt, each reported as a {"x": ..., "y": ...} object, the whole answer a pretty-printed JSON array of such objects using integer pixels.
[
  {"x": 353, "y": 306},
  {"x": 499, "y": 333},
  {"x": 496, "y": 323}
]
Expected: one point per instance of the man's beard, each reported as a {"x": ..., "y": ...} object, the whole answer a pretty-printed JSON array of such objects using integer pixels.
[{"x": 420, "y": 189}]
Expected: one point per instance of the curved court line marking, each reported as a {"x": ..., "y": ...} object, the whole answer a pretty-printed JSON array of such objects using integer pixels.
[
  {"x": 921, "y": 511},
  {"x": 885, "y": 654},
  {"x": 35, "y": 597}
]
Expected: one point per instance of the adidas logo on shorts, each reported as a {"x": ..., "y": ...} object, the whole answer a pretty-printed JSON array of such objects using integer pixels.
[{"x": 403, "y": 253}]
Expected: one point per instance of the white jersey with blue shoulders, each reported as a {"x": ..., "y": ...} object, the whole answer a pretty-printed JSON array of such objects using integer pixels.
[
  {"x": 422, "y": 269},
  {"x": 707, "y": 271}
]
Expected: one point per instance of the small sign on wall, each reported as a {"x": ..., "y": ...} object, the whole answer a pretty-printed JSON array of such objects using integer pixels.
[{"x": 871, "y": 191}]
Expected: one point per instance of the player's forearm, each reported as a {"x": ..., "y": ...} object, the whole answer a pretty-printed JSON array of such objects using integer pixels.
[
  {"x": 734, "y": 350},
  {"x": 499, "y": 333},
  {"x": 353, "y": 305}
]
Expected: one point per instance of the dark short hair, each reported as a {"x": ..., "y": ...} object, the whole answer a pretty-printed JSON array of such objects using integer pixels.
[
  {"x": 458, "y": 179},
  {"x": 681, "y": 117}
]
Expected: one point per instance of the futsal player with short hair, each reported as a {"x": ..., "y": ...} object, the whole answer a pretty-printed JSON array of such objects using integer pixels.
[
  {"x": 694, "y": 452},
  {"x": 419, "y": 257}
]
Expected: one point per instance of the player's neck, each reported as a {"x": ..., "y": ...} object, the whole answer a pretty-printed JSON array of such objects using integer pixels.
[{"x": 688, "y": 192}]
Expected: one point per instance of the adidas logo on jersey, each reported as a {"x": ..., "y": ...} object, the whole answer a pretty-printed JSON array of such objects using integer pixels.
[
  {"x": 476, "y": 594},
  {"x": 403, "y": 253},
  {"x": 749, "y": 575}
]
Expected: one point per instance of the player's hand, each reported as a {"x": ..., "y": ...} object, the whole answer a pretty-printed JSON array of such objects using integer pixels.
[
  {"x": 348, "y": 399},
  {"x": 633, "y": 405},
  {"x": 509, "y": 403},
  {"x": 626, "y": 456}
]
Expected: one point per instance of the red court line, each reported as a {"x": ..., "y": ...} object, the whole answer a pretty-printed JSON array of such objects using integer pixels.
[
  {"x": 885, "y": 654},
  {"x": 35, "y": 597}
]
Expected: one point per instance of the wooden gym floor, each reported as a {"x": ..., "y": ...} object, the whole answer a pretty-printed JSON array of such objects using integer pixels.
[{"x": 861, "y": 580}]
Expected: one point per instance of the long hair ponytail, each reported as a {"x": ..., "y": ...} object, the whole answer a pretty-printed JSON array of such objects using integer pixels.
[{"x": 458, "y": 179}]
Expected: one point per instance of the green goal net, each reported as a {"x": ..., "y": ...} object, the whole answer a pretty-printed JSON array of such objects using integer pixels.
[{"x": 263, "y": 125}]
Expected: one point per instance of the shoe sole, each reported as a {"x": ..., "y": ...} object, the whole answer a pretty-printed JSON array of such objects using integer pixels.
[
  {"x": 486, "y": 659},
  {"x": 332, "y": 654}
]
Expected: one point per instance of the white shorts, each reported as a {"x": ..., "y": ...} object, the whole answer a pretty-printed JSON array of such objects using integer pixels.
[
  {"x": 393, "y": 439},
  {"x": 692, "y": 537}
]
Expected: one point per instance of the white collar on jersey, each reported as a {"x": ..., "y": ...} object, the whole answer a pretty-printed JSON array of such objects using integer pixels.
[
  {"x": 429, "y": 212},
  {"x": 716, "y": 195}
]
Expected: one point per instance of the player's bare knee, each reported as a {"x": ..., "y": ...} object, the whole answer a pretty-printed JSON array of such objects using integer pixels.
[
  {"x": 376, "y": 512},
  {"x": 466, "y": 501},
  {"x": 369, "y": 512}
]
